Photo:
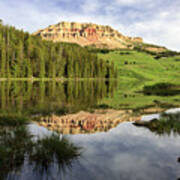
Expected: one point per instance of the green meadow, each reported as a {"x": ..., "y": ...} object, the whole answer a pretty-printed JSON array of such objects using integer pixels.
[
  {"x": 137, "y": 70},
  {"x": 144, "y": 67}
]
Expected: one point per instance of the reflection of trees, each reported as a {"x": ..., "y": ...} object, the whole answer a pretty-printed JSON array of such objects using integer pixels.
[
  {"x": 167, "y": 124},
  {"x": 14, "y": 144},
  {"x": 52, "y": 96},
  {"x": 17, "y": 147},
  {"x": 53, "y": 150},
  {"x": 178, "y": 160}
]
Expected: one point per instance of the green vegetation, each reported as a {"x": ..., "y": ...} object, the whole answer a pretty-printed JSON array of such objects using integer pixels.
[
  {"x": 167, "y": 124},
  {"x": 139, "y": 69},
  {"x": 147, "y": 48},
  {"x": 94, "y": 49},
  {"x": 54, "y": 147},
  {"x": 23, "y": 99},
  {"x": 18, "y": 148},
  {"x": 167, "y": 54},
  {"x": 25, "y": 56},
  {"x": 143, "y": 67},
  {"x": 14, "y": 144},
  {"x": 13, "y": 120},
  {"x": 162, "y": 89}
]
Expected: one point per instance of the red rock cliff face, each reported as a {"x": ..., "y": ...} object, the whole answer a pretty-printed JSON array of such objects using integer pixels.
[{"x": 86, "y": 34}]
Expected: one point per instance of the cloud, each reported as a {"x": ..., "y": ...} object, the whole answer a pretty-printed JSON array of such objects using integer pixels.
[
  {"x": 90, "y": 6},
  {"x": 162, "y": 28},
  {"x": 130, "y": 2},
  {"x": 156, "y": 21}
]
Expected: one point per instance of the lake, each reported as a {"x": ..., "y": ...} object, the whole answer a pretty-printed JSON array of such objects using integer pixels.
[{"x": 86, "y": 130}]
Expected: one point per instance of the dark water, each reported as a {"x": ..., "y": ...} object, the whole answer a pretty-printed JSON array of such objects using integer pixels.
[{"x": 123, "y": 152}]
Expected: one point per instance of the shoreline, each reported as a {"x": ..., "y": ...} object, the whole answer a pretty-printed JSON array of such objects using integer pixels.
[{"x": 54, "y": 79}]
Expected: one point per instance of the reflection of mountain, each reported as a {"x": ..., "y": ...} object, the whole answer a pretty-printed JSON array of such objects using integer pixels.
[{"x": 85, "y": 122}]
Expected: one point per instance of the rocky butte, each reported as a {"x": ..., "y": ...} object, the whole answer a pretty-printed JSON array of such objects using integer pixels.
[
  {"x": 89, "y": 34},
  {"x": 86, "y": 34}
]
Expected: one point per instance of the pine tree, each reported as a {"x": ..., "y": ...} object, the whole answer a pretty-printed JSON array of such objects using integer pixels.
[
  {"x": 42, "y": 64},
  {"x": 3, "y": 58},
  {"x": 20, "y": 72},
  {"x": 8, "y": 73},
  {"x": 29, "y": 69}
]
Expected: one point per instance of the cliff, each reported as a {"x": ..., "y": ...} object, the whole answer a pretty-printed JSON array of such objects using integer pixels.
[{"x": 86, "y": 34}]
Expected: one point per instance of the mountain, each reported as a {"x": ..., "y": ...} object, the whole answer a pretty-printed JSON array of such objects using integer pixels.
[{"x": 88, "y": 34}]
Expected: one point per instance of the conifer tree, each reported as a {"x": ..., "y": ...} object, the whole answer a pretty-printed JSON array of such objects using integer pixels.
[
  {"x": 3, "y": 58},
  {"x": 19, "y": 60},
  {"x": 23, "y": 55},
  {"x": 42, "y": 64}
]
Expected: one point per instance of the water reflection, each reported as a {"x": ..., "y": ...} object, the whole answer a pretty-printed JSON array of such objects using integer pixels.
[
  {"x": 53, "y": 97},
  {"x": 167, "y": 123},
  {"x": 14, "y": 144},
  {"x": 20, "y": 152},
  {"x": 111, "y": 156},
  {"x": 128, "y": 152},
  {"x": 85, "y": 122},
  {"x": 119, "y": 151}
]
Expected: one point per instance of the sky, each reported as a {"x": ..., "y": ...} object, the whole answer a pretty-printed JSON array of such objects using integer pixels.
[{"x": 157, "y": 21}]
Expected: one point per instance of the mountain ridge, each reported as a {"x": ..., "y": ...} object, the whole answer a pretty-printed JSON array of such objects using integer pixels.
[{"x": 90, "y": 34}]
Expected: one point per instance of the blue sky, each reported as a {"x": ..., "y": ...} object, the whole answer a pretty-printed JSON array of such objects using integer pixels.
[{"x": 157, "y": 21}]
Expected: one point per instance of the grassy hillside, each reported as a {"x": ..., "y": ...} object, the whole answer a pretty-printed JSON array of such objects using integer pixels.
[
  {"x": 139, "y": 69},
  {"x": 144, "y": 67}
]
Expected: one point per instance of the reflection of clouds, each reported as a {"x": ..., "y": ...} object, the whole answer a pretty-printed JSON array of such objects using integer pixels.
[
  {"x": 125, "y": 152},
  {"x": 150, "y": 117},
  {"x": 174, "y": 110},
  {"x": 157, "y": 115},
  {"x": 131, "y": 153},
  {"x": 135, "y": 167}
]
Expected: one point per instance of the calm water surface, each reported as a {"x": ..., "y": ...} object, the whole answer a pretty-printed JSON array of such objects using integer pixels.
[
  {"x": 122, "y": 152},
  {"x": 125, "y": 152}
]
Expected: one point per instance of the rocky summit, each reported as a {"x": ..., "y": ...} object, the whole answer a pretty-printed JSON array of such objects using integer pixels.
[{"x": 87, "y": 34}]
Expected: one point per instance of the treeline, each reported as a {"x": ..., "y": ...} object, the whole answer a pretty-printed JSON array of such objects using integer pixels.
[
  {"x": 157, "y": 55},
  {"x": 167, "y": 54},
  {"x": 162, "y": 89},
  {"x": 25, "y": 56},
  {"x": 94, "y": 49}
]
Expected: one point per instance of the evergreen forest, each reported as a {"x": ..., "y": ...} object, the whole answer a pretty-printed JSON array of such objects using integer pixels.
[{"x": 26, "y": 56}]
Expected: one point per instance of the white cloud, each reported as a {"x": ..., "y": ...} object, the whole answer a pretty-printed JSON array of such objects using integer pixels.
[
  {"x": 155, "y": 21},
  {"x": 90, "y": 6},
  {"x": 129, "y": 2},
  {"x": 163, "y": 29}
]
